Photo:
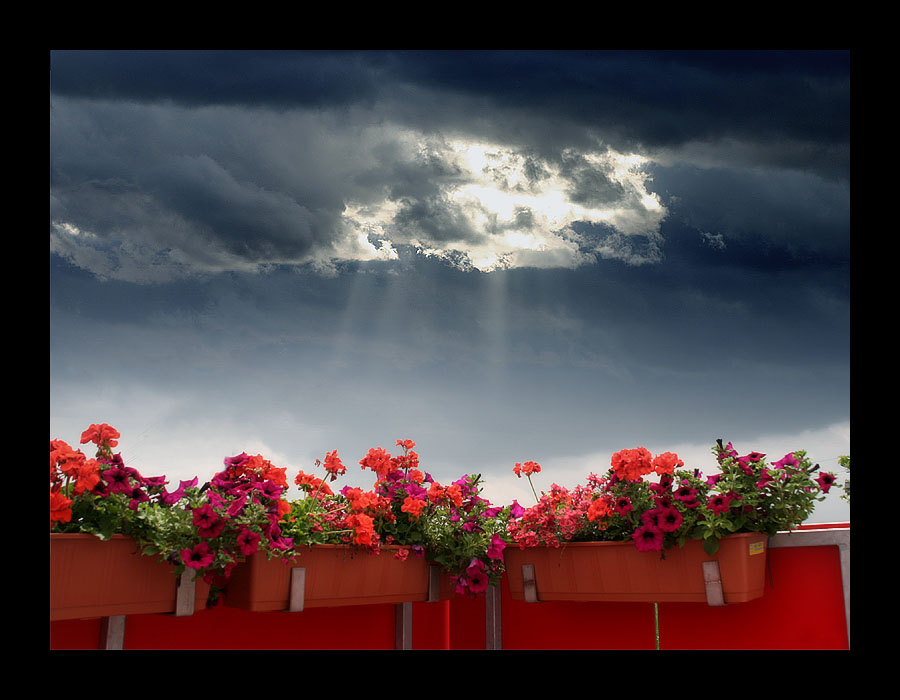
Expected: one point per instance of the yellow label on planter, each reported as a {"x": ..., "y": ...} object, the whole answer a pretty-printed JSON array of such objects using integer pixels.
[{"x": 757, "y": 548}]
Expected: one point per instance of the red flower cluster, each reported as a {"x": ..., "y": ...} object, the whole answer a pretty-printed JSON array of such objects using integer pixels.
[
  {"x": 556, "y": 517},
  {"x": 74, "y": 475},
  {"x": 526, "y": 468},
  {"x": 633, "y": 464}
]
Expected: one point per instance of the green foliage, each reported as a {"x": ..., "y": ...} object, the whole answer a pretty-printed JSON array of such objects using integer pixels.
[
  {"x": 103, "y": 517},
  {"x": 844, "y": 462}
]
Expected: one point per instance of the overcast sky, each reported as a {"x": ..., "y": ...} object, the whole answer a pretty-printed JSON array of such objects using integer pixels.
[{"x": 503, "y": 256}]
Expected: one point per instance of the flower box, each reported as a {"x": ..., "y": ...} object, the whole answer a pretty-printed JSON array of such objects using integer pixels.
[
  {"x": 333, "y": 576},
  {"x": 618, "y": 571},
  {"x": 90, "y": 577}
]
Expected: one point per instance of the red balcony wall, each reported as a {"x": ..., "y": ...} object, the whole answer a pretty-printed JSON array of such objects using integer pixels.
[{"x": 803, "y": 608}]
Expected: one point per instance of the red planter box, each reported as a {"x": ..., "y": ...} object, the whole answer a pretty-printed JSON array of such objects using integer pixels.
[
  {"x": 90, "y": 577},
  {"x": 618, "y": 572},
  {"x": 336, "y": 575}
]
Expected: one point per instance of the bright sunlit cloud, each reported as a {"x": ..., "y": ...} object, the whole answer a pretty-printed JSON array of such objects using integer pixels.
[{"x": 518, "y": 211}]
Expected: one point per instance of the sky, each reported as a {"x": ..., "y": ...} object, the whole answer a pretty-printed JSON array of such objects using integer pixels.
[{"x": 502, "y": 255}]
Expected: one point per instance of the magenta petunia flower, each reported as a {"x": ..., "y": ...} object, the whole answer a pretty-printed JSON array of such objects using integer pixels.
[
  {"x": 213, "y": 530},
  {"x": 118, "y": 480},
  {"x": 495, "y": 551},
  {"x": 172, "y": 497},
  {"x": 236, "y": 506},
  {"x": 664, "y": 501},
  {"x": 271, "y": 490},
  {"x": 516, "y": 511},
  {"x": 719, "y": 503},
  {"x": 664, "y": 486},
  {"x": 205, "y": 516},
  {"x": 623, "y": 505},
  {"x": 477, "y": 578},
  {"x": 825, "y": 481},
  {"x": 248, "y": 541},
  {"x": 669, "y": 519},
  {"x": 478, "y": 582},
  {"x": 237, "y": 460},
  {"x": 685, "y": 493},
  {"x": 787, "y": 461},
  {"x": 138, "y": 495},
  {"x": 199, "y": 557},
  {"x": 650, "y": 518},
  {"x": 208, "y": 521},
  {"x": 648, "y": 539},
  {"x": 764, "y": 479}
]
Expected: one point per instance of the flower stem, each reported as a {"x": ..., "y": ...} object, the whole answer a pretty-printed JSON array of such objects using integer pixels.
[
  {"x": 536, "y": 499},
  {"x": 656, "y": 622}
]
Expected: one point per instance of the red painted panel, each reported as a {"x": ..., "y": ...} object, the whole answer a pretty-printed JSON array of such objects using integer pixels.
[
  {"x": 75, "y": 634},
  {"x": 467, "y": 625},
  {"x": 572, "y": 625},
  {"x": 357, "y": 627},
  {"x": 431, "y": 625},
  {"x": 802, "y": 608}
]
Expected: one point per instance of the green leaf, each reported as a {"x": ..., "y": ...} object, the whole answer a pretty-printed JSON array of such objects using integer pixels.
[{"x": 711, "y": 546}]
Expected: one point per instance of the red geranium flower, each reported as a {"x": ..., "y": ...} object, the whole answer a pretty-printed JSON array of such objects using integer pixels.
[
  {"x": 101, "y": 433},
  {"x": 60, "y": 508}
]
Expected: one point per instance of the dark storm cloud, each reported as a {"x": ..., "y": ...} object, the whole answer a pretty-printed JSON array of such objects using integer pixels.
[
  {"x": 643, "y": 98},
  {"x": 226, "y": 159},
  {"x": 656, "y": 97},
  {"x": 794, "y": 213},
  {"x": 196, "y": 78}
]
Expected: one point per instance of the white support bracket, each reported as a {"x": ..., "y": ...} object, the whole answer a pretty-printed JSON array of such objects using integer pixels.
[
  {"x": 529, "y": 584},
  {"x": 403, "y": 626},
  {"x": 186, "y": 593},
  {"x": 493, "y": 633},
  {"x": 712, "y": 579},
  {"x": 298, "y": 589},
  {"x": 112, "y": 632},
  {"x": 434, "y": 584}
]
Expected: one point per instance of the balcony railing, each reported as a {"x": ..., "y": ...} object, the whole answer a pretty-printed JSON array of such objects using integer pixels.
[{"x": 806, "y": 606}]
